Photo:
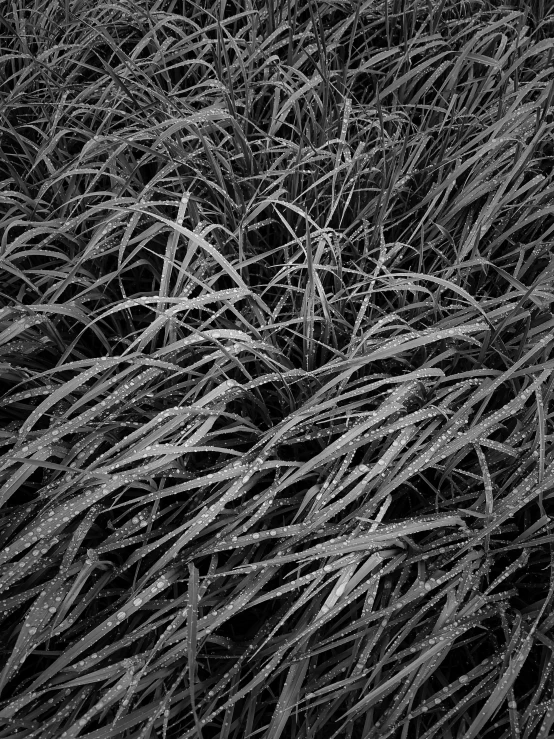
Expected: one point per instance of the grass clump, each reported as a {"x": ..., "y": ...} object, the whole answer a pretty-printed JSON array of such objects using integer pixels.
[{"x": 276, "y": 361}]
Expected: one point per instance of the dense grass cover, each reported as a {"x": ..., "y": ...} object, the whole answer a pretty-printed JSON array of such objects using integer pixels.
[{"x": 277, "y": 389}]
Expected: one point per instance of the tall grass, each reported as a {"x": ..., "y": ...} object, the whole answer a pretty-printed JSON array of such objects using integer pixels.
[{"x": 276, "y": 361}]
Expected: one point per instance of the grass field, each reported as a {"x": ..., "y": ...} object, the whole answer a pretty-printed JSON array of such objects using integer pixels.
[{"x": 277, "y": 384}]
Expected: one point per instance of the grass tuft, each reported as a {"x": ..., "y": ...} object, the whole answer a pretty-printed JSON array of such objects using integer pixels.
[{"x": 276, "y": 333}]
